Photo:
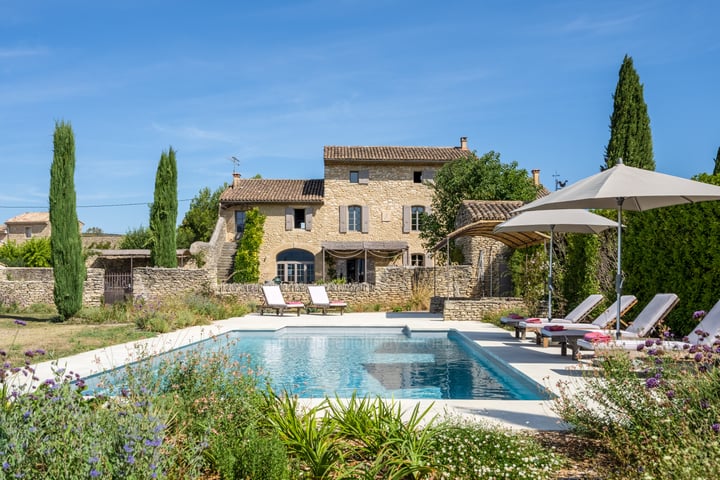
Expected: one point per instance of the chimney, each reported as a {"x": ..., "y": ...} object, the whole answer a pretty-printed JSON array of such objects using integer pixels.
[
  {"x": 463, "y": 143},
  {"x": 536, "y": 177},
  {"x": 236, "y": 179}
]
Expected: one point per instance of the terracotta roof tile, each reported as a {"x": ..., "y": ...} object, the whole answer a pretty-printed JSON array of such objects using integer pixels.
[
  {"x": 390, "y": 154},
  {"x": 30, "y": 217},
  {"x": 474, "y": 210},
  {"x": 261, "y": 190}
]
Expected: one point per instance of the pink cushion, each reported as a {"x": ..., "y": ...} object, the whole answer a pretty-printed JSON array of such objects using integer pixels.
[
  {"x": 554, "y": 328},
  {"x": 597, "y": 337},
  {"x": 294, "y": 304},
  {"x": 515, "y": 316},
  {"x": 533, "y": 320}
]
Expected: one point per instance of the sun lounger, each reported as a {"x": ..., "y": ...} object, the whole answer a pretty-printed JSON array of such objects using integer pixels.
[
  {"x": 706, "y": 332},
  {"x": 601, "y": 321},
  {"x": 319, "y": 300},
  {"x": 576, "y": 315},
  {"x": 653, "y": 313},
  {"x": 274, "y": 301}
]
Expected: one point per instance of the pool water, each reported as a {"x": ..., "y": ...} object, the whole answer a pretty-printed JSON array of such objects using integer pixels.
[{"x": 384, "y": 361}]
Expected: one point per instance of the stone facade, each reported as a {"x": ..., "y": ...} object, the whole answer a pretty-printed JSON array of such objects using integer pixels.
[
  {"x": 489, "y": 261},
  {"x": 383, "y": 182}
]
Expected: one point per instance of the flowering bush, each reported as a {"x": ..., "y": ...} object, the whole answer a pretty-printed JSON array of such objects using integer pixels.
[{"x": 657, "y": 409}]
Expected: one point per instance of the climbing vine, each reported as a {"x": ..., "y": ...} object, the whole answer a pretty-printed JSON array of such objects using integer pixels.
[{"x": 247, "y": 258}]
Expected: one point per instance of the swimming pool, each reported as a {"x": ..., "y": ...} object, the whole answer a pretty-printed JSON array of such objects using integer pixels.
[{"x": 314, "y": 362}]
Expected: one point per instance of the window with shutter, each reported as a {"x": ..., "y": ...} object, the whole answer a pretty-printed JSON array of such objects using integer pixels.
[{"x": 364, "y": 177}]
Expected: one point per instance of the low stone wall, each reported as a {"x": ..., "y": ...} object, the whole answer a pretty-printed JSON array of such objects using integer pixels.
[
  {"x": 156, "y": 284},
  {"x": 29, "y": 286},
  {"x": 474, "y": 309}
]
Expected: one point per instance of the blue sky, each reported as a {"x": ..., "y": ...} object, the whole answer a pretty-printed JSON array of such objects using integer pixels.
[{"x": 272, "y": 82}]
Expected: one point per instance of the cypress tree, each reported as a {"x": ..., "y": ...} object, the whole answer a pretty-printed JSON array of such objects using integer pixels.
[
  {"x": 630, "y": 136},
  {"x": 66, "y": 247},
  {"x": 163, "y": 213},
  {"x": 716, "y": 169}
]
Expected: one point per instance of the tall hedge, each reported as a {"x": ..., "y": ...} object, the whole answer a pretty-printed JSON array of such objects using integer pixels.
[
  {"x": 163, "y": 213},
  {"x": 65, "y": 243},
  {"x": 675, "y": 249},
  {"x": 247, "y": 258}
]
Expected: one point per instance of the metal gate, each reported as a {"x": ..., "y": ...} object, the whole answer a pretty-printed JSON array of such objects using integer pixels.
[{"x": 118, "y": 287}]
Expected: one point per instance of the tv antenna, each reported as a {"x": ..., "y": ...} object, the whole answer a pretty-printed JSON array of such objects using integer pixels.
[
  {"x": 236, "y": 163},
  {"x": 559, "y": 183}
]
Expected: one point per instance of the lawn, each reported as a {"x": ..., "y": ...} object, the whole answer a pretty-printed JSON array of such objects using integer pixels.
[{"x": 58, "y": 340}]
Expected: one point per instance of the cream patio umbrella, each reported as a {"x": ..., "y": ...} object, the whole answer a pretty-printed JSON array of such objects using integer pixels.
[
  {"x": 565, "y": 220},
  {"x": 626, "y": 188}
]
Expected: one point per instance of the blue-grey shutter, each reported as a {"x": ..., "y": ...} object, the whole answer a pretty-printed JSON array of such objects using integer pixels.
[
  {"x": 308, "y": 218},
  {"x": 289, "y": 218},
  {"x": 343, "y": 218},
  {"x": 428, "y": 175},
  {"x": 407, "y": 219},
  {"x": 365, "y": 219},
  {"x": 364, "y": 177}
]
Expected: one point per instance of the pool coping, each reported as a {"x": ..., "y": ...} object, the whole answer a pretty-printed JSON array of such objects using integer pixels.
[{"x": 543, "y": 365}]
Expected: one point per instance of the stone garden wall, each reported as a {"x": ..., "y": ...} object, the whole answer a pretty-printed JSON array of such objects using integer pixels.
[
  {"x": 450, "y": 288},
  {"x": 28, "y": 286}
]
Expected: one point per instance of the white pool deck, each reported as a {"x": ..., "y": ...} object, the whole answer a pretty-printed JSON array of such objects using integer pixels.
[{"x": 544, "y": 365}]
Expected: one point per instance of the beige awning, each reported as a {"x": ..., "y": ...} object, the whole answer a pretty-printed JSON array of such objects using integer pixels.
[{"x": 484, "y": 228}]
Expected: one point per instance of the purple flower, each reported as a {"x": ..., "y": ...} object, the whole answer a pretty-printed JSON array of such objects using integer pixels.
[
  {"x": 92, "y": 460},
  {"x": 30, "y": 353},
  {"x": 698, "y": 314},
  {"x": 640, "y": 347},
  {"x": 704, "y": 404},
  {"x": 130, "y": 459},
  {"x": 649, "y": 342},
  {"x": 94, "y": 473},
  {"x": 20, "y": 322},
  {"x": 40, "y": 351},
  {"x": 5, "y": 465},
  {"x": 670, "y": 394},
  {"x": 698, "y": 357},
  {"x": 3, "y": 353},
  {"x": 128, "y": 448},
  {"x": 652, "y": 382},
  {"x": 716, "y": 427},
  {"x": 156, "y": 442}
]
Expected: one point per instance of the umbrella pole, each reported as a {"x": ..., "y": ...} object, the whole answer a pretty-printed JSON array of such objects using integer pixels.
[
  {"x": 550, "y": 285},
  {"x": 618, "y": 278}
]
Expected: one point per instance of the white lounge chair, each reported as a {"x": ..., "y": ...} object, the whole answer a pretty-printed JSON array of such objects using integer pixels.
[
  {"x": 274, "y": 301},
  {"x": 577, "y": 314},
  {"x": 319, "y": 300},
  {"x": 706, "y": 332},
  {"x": 653, "y": 313},
  {"x": 604, "y": 320}
]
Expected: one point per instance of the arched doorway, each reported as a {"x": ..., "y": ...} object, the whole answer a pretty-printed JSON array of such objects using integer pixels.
[{"x": 295, "y": 266}]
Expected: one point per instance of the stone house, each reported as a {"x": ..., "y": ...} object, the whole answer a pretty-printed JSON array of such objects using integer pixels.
[
  {"x": 363, "y": 214},
  {"x": 29, "y": 225}
]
